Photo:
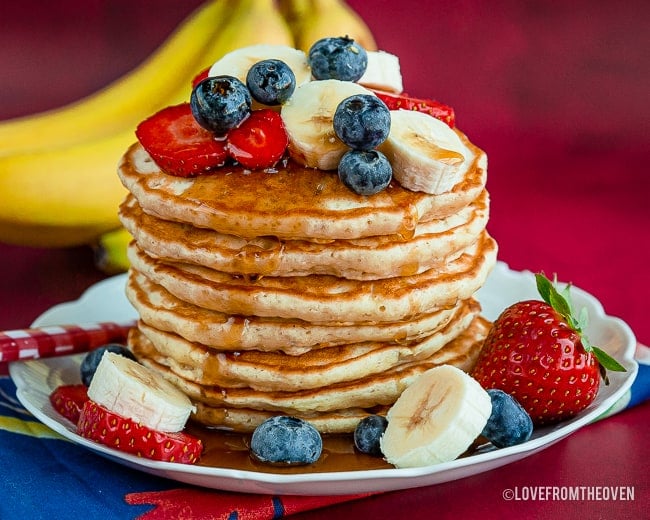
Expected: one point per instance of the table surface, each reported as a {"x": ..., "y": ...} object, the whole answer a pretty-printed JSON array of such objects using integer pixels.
[{"x": 557, "y": 96}]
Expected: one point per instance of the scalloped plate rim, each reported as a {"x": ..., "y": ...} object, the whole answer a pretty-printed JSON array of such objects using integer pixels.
[{"x": 95, "y": 305}]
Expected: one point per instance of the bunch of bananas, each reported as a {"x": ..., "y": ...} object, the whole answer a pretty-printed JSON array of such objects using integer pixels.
[{"x": 58, "y": 181}]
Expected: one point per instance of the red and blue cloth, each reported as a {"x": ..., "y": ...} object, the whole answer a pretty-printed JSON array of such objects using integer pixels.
[{"x": 46, "y": 477}]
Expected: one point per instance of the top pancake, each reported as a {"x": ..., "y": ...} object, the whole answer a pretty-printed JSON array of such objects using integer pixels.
[{"x": 291, "y": 202}]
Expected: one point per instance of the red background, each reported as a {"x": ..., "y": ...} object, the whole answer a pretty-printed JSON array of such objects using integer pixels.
[{"x": 555, "y": 92}]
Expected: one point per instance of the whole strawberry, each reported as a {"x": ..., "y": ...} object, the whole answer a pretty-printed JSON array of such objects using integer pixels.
[{"x": 536, "y": 352}]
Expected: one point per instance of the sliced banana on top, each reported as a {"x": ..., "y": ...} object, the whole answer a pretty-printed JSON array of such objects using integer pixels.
[
  {"x": 238, "y": 62},
  {"x": 435, "y": 419},
  {"x": 308, "y": 118},
  {"x": 383, "y": 72},
  {"x": 426, "y": 155},
  {"x": 134, "y": 391}
]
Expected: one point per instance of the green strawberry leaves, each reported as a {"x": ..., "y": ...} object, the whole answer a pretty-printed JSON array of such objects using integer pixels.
[{"x": 561, "y": 303}]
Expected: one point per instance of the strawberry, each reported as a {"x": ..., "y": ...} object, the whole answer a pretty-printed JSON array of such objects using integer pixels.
[
  {"x": 536, "y": 351},
  {"x": 101, "y": 425},
  {"x": 259, "y": 141},
  {"x": 200, "y": 77},
  {"x": 178, "y": 144},
  {"x": 428, "y": 106},
  {"x": 68, "y": 400}
]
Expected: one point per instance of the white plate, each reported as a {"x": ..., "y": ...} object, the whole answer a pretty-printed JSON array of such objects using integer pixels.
[{"x": 106, "y": 301}]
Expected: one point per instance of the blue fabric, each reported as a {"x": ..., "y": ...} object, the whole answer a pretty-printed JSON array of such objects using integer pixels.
[{"x": 52, "y": 478}]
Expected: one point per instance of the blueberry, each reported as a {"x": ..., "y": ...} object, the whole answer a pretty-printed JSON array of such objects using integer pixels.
[
  {"x": 368, "y": 433},
  {"x": 337, "y": 58},
  {"x": 220, "y": 103},
  {"x": 509, "y": 424},
  {"x": 365, "y": 172},
  {"x": 286, "y": 440},
  {"x": 362, "y": 121},
  {"x": 271, "y": 82},
  {"x": 92, "y": 359}
]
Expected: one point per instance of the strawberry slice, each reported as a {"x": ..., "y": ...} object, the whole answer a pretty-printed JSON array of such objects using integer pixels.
[
  {"x": 101, "y": 425},
  {"x": 178, "y": 144},
  {"x": 68, "y": 400},
  {"x": 260, "y": 141},
  {"x": 429, "y": 106},
  {"x": 200, "y": 77}
]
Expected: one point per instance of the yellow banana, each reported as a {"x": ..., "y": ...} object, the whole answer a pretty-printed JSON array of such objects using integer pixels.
[
  {"x": 311, "y": 20},
  {"x": 158, "y": 81},
  {"x": 110, "y": 251},
  {"x": 48, "y": 236},
  {"x": 254, "y": 22},
  {"x": 67, "y": 187},
  {"x": 69, "y": 196}
]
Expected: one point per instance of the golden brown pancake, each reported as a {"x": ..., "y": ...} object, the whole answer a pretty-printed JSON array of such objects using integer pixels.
[
  {"x": 324, "y": 299},
  {"x": 158, "y": 308},
  {"x": 273, "y": 371},
  {"x": 386, "y": 256},
  {"x": 290, "y": 202}
]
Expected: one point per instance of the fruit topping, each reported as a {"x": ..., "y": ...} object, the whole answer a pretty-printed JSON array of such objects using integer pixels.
[
  {"x": 92, "y": 359},
  {"x": 362, "y": 121},
  {"x": 260, "y": 141},
  {"x": 537, "y": 352},
  {"x": 238, "y": 62},
  {"x": 425, "y": 153},
  {"x": 271, "y": 82},
  {"x": 101, "y": 425},
  {"x": 368, "y": 433},
  {"x": 139, "y": 393},
  {"x": 308, "y": 117},
  {"x": 68, "y": 400},
  {"x": 220, "y": 103},
  {"x": 365, "y": 172},
  {"x": 509, "y": 424},
  {"x": 435, "y": 419},
  {"x": 286, "y": 440},
  {"x": 383, "y": 72},
  {"x": 337, "y": 58},
  {"x": 177, "y": 143},
  {"x": 428, "y": 106}
]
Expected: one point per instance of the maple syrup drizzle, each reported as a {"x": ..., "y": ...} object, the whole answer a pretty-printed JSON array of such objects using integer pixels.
[{"x": 230, "y": 450}]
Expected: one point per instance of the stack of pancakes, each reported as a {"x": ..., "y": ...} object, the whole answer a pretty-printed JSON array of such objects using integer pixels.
[{"x": 283, "y": 292}]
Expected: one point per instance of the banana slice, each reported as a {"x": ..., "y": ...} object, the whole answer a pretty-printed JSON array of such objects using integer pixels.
[
  {"x": 435, "y": 419},
  {"x": 426, "y": 155},
  {"x": 136, "y": 392},
  {"x": 238, "y": 62},
  {"x": 307, "y": 117},
  {"x": 383, "y": 72}
]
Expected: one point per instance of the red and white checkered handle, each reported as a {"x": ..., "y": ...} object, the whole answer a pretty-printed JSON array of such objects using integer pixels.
[{"x": 59, "y": 340}]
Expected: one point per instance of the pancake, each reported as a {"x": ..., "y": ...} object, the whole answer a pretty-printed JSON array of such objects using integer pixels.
[
  {"x": 291, "y": 202},
  {"x": 246, "y": 420},
  {"x": 368, "y": 258},
  {"x": 324, "y": 299},
  {"x": 272, "y": 371},
  {"x": 368, "y": 392},
  {"x": 158, "y": 308}
]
